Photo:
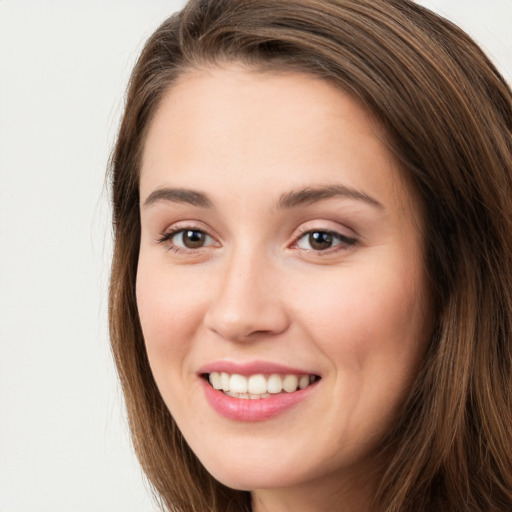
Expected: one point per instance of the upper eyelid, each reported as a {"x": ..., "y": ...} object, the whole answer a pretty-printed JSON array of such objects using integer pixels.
[
  {"x": 171, "y": 232},
  {"x": 341, "y": 236},
  {"x": 308, "y": 228},
  {"x": 176, "y": 227},
  {"x": 165, "y": 240}
]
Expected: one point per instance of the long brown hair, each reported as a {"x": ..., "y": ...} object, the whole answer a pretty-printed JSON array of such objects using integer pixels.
[{"x": 448, "y": 116}]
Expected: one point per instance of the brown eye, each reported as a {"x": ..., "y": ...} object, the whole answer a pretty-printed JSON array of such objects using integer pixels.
[
  {"x": 324, "y": 240},
  {"x": 187, "y": 240},
  {"x": 190, "y": 238},
  {"x": 320, "y": 240}
]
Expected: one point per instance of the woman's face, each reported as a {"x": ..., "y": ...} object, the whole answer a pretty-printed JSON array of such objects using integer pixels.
[{"x": 280, "y": 248}]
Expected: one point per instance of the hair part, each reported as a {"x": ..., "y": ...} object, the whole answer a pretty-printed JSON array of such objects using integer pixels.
[{"x": 447, "y": 114}]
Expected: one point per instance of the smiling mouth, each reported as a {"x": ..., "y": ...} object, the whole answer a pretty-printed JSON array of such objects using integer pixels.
[{"x": 259, "y": 385}]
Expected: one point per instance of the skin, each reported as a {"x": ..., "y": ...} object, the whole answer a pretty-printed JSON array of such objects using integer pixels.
[{"x": 357, "y": 313}]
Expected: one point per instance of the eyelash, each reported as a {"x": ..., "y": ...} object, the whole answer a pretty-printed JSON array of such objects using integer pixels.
[
  {"x": 344, "y": 242},
  {"x": 166, "y": 239}
]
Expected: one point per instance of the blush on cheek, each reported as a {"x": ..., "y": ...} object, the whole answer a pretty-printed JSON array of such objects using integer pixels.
[
  {"x": 169, "y": 312},
  {"x": 371, "y": 315}
]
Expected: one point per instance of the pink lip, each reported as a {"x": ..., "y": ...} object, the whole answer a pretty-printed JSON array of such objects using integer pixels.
[
  {"x": 246, "y": 409},
  {"x": 250, "y": 368}
]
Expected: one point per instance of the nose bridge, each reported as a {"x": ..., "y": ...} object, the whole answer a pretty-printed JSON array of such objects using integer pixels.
[{"x": 247, "y": 301}]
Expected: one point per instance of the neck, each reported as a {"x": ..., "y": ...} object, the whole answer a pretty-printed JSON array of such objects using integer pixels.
[{"x": 354, "y": 495}]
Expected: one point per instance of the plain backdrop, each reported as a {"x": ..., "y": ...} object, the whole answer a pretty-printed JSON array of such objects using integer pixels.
[{"x": 64, "y": 65}]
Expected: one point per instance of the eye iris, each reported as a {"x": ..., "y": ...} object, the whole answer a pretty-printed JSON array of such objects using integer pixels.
[
  {"x": 320, "y": 240},
  {"x": 192, "y": 239}
]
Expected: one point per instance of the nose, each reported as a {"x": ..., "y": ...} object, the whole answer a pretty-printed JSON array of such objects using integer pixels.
[{"x": 247, "y": 303}]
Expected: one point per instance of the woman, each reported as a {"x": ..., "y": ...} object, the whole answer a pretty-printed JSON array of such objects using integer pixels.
[{"x": 311, "y": 295}]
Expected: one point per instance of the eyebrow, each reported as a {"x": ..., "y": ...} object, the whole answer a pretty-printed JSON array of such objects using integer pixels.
[
  {"x": 314, "y": 194},
  {"x": 178, "y": 195},
  {"x": 289, "y": 200}
]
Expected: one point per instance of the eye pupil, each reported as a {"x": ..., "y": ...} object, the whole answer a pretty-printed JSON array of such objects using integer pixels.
[
  {"x": 320, "y": 240},
  {"x": 193, "y": 239}
]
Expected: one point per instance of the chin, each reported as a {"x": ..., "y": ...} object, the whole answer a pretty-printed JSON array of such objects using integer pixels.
[{"x": 246, "y": 476}]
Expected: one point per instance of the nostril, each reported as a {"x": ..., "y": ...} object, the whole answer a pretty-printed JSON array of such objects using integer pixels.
[{"x": 245, "y": 312}]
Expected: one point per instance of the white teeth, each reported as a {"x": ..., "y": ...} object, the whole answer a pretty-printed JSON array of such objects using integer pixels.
[
  {"x": 225, "y": 381},
  {"x": 290, "y": 383},
  {"x": 238, "y": 383},
  {"x": 215, "y": 380},
  {"x": 274, "y": 384},
  {"x": 304, "y": 382},
  {"x": 258, "y": 385}
]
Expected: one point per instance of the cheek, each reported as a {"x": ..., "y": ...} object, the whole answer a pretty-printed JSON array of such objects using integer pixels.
[
  {"x": 373, "y": 331},
  {"x": 170, "y": 311},
  {"x": 371, "y": 325},
  {"x": 169, "y": 308}
]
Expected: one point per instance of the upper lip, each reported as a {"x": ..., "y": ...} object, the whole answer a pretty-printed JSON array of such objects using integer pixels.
[{"x": 252, "y": 368}]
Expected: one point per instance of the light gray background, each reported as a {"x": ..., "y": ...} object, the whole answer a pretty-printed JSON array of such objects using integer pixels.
[{"x": 63, "y": 69}]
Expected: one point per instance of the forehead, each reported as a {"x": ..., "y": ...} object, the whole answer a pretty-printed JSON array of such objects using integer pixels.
[
  {"x": 219, "y": 99},
  {"x": 229, "y": 127}
]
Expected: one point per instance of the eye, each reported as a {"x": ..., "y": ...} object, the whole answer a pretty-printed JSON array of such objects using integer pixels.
[
  {"x": 186, "y": 239},
  {"x": 318, "y": 240},
  {"x": 191, "y": 238}
]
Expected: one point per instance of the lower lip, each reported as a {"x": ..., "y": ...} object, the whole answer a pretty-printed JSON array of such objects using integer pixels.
[{"x": 259, "y": 409}]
